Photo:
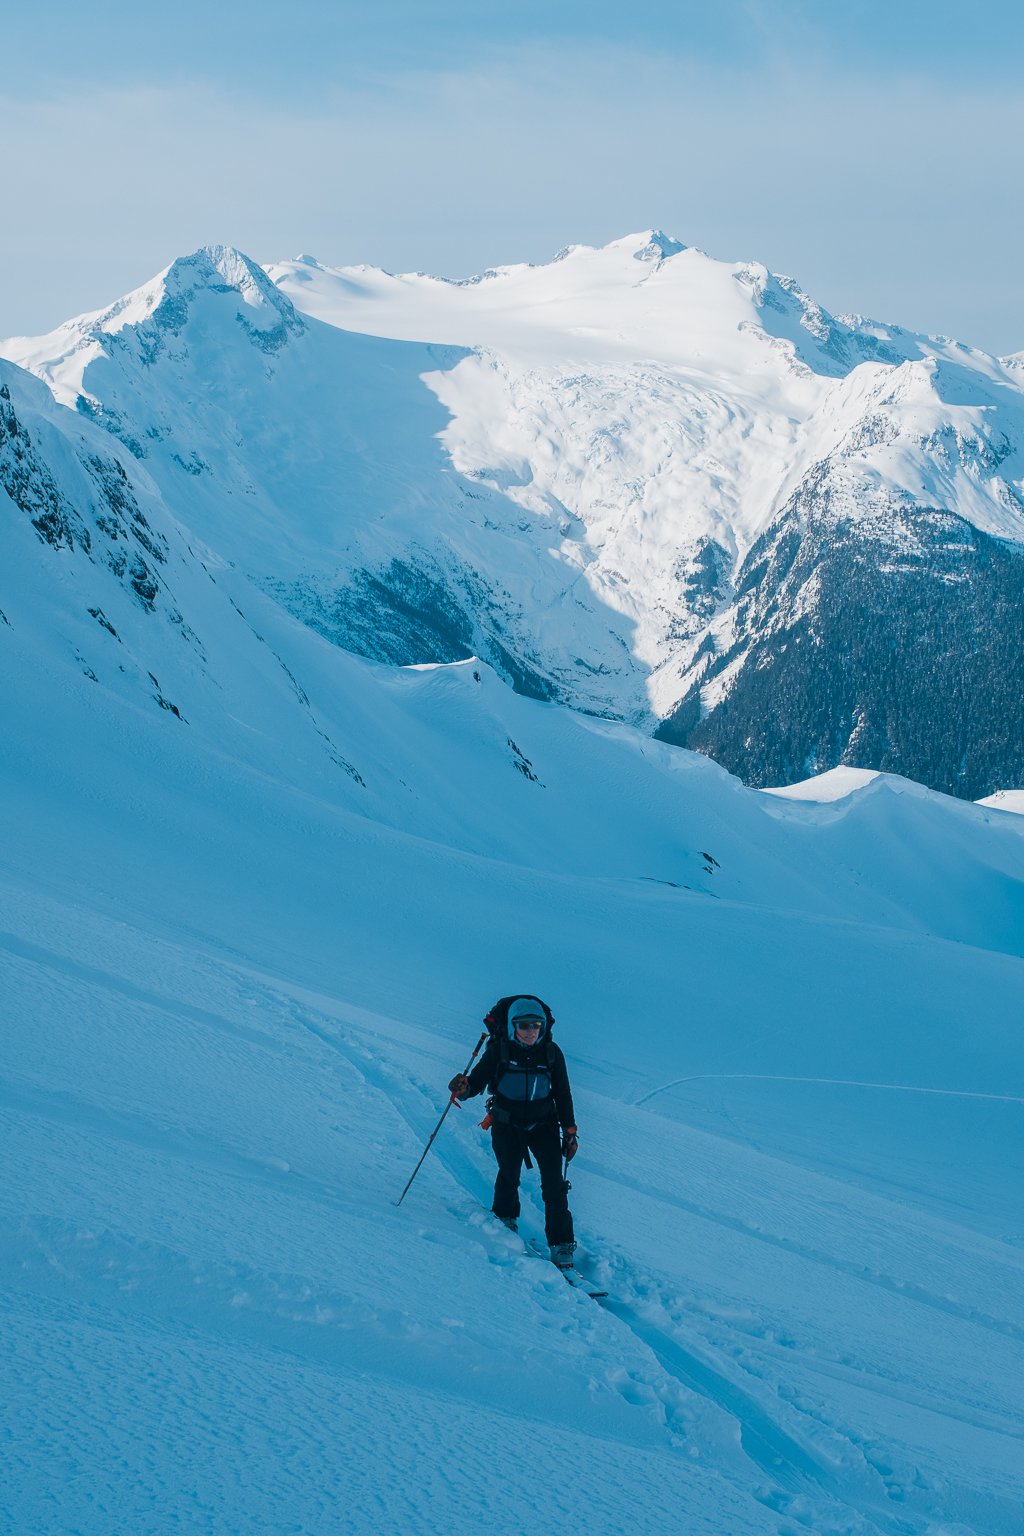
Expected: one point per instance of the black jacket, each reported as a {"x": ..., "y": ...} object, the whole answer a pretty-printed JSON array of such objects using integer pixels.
[{"x": 535, "y": 1082}]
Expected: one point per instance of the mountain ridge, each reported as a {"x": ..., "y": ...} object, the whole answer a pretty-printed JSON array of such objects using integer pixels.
[
  {"x": 257, "y": 892},
  {"x": 619, "y": 430}
]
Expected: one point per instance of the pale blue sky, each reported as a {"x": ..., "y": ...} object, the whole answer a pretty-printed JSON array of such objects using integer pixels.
[{"x": 871, "y": 150}]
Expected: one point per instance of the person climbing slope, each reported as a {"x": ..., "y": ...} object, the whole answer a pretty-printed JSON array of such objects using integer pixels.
[{"x": 530, "y": 1111}]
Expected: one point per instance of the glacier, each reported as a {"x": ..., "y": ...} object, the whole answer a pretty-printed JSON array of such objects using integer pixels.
[{"x": 652, "y": 485}]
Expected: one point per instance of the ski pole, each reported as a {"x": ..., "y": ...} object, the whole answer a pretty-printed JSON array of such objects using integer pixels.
[{"x": 437, "y": 1127}]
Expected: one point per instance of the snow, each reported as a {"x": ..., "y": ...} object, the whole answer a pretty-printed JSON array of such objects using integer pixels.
[
  {"x": 242, "y": 952},
  {"x": 836, "y": 784},
  {"x": 563, "y": 440},
  {"x": 660, "y": 400},
  {"x": 1006, "y": 800},
  {"x": 243, "y": 948}
]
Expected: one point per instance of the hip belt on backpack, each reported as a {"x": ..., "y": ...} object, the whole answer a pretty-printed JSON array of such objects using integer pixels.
[{"x": 498, "y": 1116}]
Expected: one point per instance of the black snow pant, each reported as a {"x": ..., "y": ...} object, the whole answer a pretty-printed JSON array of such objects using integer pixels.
[{"x": 510, "y": 1143}]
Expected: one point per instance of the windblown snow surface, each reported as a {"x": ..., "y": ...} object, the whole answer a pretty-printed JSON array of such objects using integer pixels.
[{"x": 244, "y": 943}]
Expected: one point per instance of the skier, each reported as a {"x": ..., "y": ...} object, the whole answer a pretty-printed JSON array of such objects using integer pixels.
[{"x": 526, "y": 1074}]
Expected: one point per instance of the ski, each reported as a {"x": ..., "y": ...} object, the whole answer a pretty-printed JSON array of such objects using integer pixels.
[
  {"x": 570, "y": 1274},
  {"x": 580, "y": 1282}
]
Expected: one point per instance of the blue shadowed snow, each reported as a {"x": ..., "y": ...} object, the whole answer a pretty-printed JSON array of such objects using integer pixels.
[{"x": 244, "y": 947}]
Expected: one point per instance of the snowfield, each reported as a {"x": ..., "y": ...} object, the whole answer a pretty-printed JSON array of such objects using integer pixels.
[
  {"x": 237, "y": 978},
  {"x": 256, "y": 893},
  {"x": 651, "y": 403}
]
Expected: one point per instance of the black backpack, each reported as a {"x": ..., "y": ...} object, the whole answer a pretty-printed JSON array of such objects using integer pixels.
[{"x": 496, "y": 1021}]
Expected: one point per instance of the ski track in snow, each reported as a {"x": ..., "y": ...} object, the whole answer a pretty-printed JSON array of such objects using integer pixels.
[
  {"x": 671, "y": 1374},
  {"x": 676, "y": 1366},
  {"x": 824, "y": 1082},
  {"x": 668, "y": 1372},
  {"x": 806, "y": 1470},
  {"x": 858, "y": 1272}
]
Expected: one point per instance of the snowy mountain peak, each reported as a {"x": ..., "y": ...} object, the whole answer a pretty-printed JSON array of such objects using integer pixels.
[
  {"x": 215, "y": 275},
  {"x": 626, "y": 478},
  {"x": 644, "y": 296},
  {"x": 210, "y": 299},
  {"x": 166, "y": 300},
  {"x": 222, "y": 269},
  {"x": 657, "y": 246}
]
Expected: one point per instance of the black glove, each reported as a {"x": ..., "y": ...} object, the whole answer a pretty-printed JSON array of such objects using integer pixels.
[
  {"x": 459, "y": 1086},
  {"x": 570, "y": 1143}
]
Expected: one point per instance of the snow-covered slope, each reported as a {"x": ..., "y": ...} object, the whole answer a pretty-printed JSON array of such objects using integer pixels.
[
  {"x": 647, "y": 483},
  {"x": 311, "y": 459},
  {"x": 836, "y": 784},
  {"x": 754, "y": 478},
  {"x": 244, "y": 943}
]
